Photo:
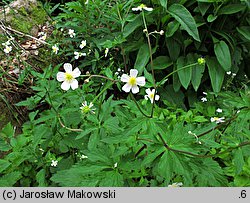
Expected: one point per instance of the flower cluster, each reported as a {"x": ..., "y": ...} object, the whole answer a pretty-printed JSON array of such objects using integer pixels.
[{"x": 8, "y": 47}]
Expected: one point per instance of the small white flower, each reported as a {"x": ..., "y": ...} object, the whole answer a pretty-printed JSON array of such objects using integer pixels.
[
  {"x": 54, "y": 163},
  {"x": 218, "y": 110},
  {"x": 150, "y": 95},
  {"x": 6, "y": 43},
  {"x": 132, "y": 81},
  {"x": 55, "y": 49},
  {"x": 87, "y": 108},
  {"x": 7, "y": 49},
  {"x": 78, "y": 54},
  {"x": 68, "y": 78},
  {"x": 106, "y": 52},
  {"x": 233, "y": 74},
  {"x": 43, "y": 37},
  {"x": 142, "y": 6},
  {"x": 203, "y": 99},
  {"x": 175, "y": 185},
  {"x": 71, "y": 33},
  {"x": 83, "y": 44},
  {"x": 217, "y": 120},
  {"x": 83, "y": 157},
  {"x": 229, "y": 72},
  {"x": 190, "y": 132},
  {"x": 119, "y": 69},
  {"x": 204, "y": 93},
  {"x": 115, "y": 165},
  {"x": 161, "y": 32}
]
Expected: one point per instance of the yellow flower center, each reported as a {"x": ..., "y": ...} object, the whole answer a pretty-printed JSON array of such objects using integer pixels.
[
  {"x": 68, "y": 77},
  {"x": 216, "y": 118},
  {"x": 132, "y": 81},
  {"x": 142, "y": 6},
  {"x": 151, "y": 95}
]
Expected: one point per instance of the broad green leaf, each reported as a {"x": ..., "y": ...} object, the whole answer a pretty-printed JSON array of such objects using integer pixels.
[
  {"x": 112, "y": 179},
  {"x": 131, "y": 26},
  {"x": 7, "y": 131},
  {"x": 185, "y": 74},
  {"x": 211, "y": 18},
  {"x": 231, "y": 9},
  {"x": 244, "y": 31},
  {"x": 142, "y": 58},
  {"x": 10, "y": 179},
  {"x": 216, "y": 73},
  {"x": 152, "y": 156},
  {"x": 164, "y": 3},
  {"x": 173, "y": 48},
  {"x": 162, "y": 62},
  {"x": 165, "y": 166},
  {"x": 3, "y": 165},
  {"x": 223, "y": 55},
  {"x": 197, "y": 72},
  {"x": 172, "y": 27},
  {"x": 41, "y": 178},
  {"x": 184, "y": 17},
  {"x": 238, "y": 161}
]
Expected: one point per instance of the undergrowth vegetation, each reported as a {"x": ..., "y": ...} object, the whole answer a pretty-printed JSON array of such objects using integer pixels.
[{"x": 137, "y": 93}]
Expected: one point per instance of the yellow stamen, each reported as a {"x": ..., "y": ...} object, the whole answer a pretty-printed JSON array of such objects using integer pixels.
[
  {"x": 132, "y": 81},
  {"x": 68, "y": 77},
  {"x": 151, "y": 95}
]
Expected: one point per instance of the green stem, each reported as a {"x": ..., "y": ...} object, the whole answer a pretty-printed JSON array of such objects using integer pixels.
[
  {"x": 102, "y": 91},
  {"x": 151, "y": 62},
  {"x": 184, "y": 67},
  {"x": 133, "y": 98}
]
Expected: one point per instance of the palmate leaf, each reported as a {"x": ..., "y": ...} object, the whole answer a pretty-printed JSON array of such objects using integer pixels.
[{"x": 79, "y": 175}]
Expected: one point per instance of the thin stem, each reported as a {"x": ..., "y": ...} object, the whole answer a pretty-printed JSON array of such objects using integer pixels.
[
  {"x": 151, "y": 62},
  {"x": 184, "y": 67},
  {"x": 102, "y": 91},
  {"x": 133, "y": 98}
]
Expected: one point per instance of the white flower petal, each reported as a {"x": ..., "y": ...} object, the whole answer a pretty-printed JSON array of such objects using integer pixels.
[
  {"x": 146, "y": 97},
  {"x": 140, "y": 81},
  {"x": 60, "y": 76},
  {"x": 76, "y": 73},
  {"x": 133, "y": 73},
  {"x": 148, "y": 91},
  {"x": 65, "y": 86},
  {"x": 67, "y": 67},
  {"x": 135, "y": 89},
  {"x": 157, "y": 97},
  {"x": 74, "y": 84},
  {"x": 125, "y": 78},
  {"x": 126, "y": 87},
  {"x": 148, "y": 9}
]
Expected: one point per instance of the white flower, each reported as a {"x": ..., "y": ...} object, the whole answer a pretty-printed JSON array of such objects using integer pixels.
[
  {"x": 217, "y": 120},
  {"x": 71, "y": 33},
  {"x": 190, "y": 132},
  {"x": 203, "y": 99},
  {"x": 229, "y": 72},
  {"x": 142, "y": 6},
  {"x": 106, "y": 52},
  {"x": 161, "y": 32},
  {"x": 233, "y": 74},
  {"x": 83, "y": 44},
  {"x": 150, "y": 95},
  {"x": 7, "y": 49},
  {"x": 132, "y": 81},
  {"x": 175, "y": 185},
  {"x": 78, "y": 54},
  {"x": 87, "y": 108},
  {"x": 6, "y": 43},
  {"x": 204, "y": 93},
  {"x": 218, "y": 110},
  {"x": 68, "y": 78},
  {"x": 55, "y": 49},
  {"x": 83, "y": 157},
  {"x": 54, "y": 163},
  {"x": 115, "y": 165}
]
